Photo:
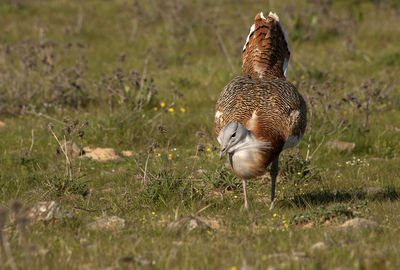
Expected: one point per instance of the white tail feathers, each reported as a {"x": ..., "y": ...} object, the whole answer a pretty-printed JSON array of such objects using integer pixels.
[
  {"x": 273, "y": 15},
  {"x": 248, "y": 36}
]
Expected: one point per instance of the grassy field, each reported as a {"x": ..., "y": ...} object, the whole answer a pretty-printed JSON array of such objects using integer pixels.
[{"x": 144, "y": 77}]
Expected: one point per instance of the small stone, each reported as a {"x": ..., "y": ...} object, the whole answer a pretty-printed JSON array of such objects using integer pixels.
[
  {"x": 83, "y": 241},
  {"x": 107, "y": 223},
  {"x": 87, "y": 149},
  {"x": 200, "y": 172},
  {"x": 92, "y": 247},
  {"x": 246, "y": 267},
  {"x": 138, "y": 260},
  {"x": 359, "y": 223},
  {"x": 294, "y": 256},
  {"x": 372, "y": 190},
  {"x": 100, "y": 154},
  {"x": 319, "y": 246},
  {"x": 34, "y": 250},
  {"x": 45, "y": 211},
  {"x": 342, "y": 146},
  {"x": 188, "y": 224},
  {"x": 127, "y": 153},
  {"x": 71, "y": 149},
  {"x": 2, "y": 124}
]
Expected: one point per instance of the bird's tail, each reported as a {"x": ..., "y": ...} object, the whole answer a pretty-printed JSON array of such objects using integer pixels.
[{"x": 266, "y": 51}]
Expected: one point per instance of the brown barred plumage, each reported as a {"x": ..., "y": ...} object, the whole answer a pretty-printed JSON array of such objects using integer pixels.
[
  {"x": 262, "y": 101},
  {"x": 266, "y": 52},
  {"x": 275, "y": 103}
]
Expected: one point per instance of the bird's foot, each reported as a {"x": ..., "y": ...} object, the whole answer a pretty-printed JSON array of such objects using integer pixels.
[
  {"x": 272, "y": 205},
  {"x": 246, "y": 206}
]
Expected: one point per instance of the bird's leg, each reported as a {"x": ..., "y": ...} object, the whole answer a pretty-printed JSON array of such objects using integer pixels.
[
  {"x": 273, "y": 172},
  {"x": 246, "y": 206}
]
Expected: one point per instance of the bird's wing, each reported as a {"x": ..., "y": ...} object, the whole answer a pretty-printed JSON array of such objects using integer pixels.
[{"x": 266, "y": 108}]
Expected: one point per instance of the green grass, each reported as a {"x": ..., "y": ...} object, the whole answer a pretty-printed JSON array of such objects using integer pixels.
[{"x": 113, "y": 63}]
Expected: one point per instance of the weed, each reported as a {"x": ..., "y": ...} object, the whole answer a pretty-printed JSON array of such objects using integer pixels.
[
  {"x": 224, "y": 180},
  {"x": 335, "y": 212}
]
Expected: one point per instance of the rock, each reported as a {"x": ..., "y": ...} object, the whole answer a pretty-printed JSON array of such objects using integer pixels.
[
  {"x": 294, "y": 256},
  {"x": 319, "y": 246},
  {"x": 71, "y": 149},
  {"x": 100, "y": 154},
  {"x": 200, "y": 172},
  {"x": 188, "y": 224},
  {"x": 359, "y": 223},
  {"x": 46, "y": 211},
  {"x": 213, "y": 223},
  {"x": 107, "y": 223},
  {"x": 2, "y": 124},
  {"x": 246, "y": 267},
  {"x": 342, "y": 146},
  {"x": 127, "y": 153},
  {"x": 372, "y": 190},
  {"x": 83, "y": 241},
  {"x": 34, "y": 250},
  {"x": 138, "y": 260}
]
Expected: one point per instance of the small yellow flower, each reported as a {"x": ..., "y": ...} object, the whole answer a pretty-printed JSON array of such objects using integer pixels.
[
  {"x": 158, "y": 155},
  {"x": 298, "y": 173},
  {"x": 283, "y": 187},
  {"x": 162, "y": 104},
  {"x": 155, "y": 108},
  {"x": 294, "y": 82},
  {"x": 171, "y": 110},
  {"x": 302, "y": 77},
  {"x": 339, "y": 176},
  {"x": 208, "y": 149},
  {"x": 169, "y": 156},
  {"x": 143, "y": 115},
  {"x": 183, "y": 109},
  {"x": 235, "y": 196},
  {"x": 233, "y": 268},
  {"x": 153, "y": 213},
  {"x": 275, "y": 214},
  {"x": 286, "y": 225},
  {"x": 305, "y": 184},
  {"x": 209, "y": 232},
  {"x": 264, "y": 257}
]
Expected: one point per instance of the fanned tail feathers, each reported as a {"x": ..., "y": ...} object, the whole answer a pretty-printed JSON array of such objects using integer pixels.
[{"x": 266, "y": 51}]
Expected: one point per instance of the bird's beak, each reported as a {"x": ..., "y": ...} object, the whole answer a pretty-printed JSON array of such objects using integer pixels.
[{"x": 222, "y": 153}]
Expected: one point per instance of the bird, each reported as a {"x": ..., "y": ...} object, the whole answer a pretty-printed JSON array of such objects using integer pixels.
[{"x": 260, "y": 113}]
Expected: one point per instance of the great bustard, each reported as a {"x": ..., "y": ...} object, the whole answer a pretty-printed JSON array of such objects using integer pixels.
[{"x": 260, "y": 113}]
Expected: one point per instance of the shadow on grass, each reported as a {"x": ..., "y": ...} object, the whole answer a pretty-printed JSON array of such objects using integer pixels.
[{"x": 326, "y": 197}]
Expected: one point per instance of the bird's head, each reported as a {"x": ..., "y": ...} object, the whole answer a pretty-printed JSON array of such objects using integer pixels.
[{"x": 231, "y": 137}]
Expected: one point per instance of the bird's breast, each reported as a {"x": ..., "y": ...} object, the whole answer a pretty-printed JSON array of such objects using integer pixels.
[{"x": 248, "y": 163}]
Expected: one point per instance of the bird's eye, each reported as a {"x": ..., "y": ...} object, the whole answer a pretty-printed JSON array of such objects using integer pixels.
[{"x": 233, "y": 135}]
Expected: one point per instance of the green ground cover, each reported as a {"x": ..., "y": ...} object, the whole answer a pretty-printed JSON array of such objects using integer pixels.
[{"x": 144, "y": 77}]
